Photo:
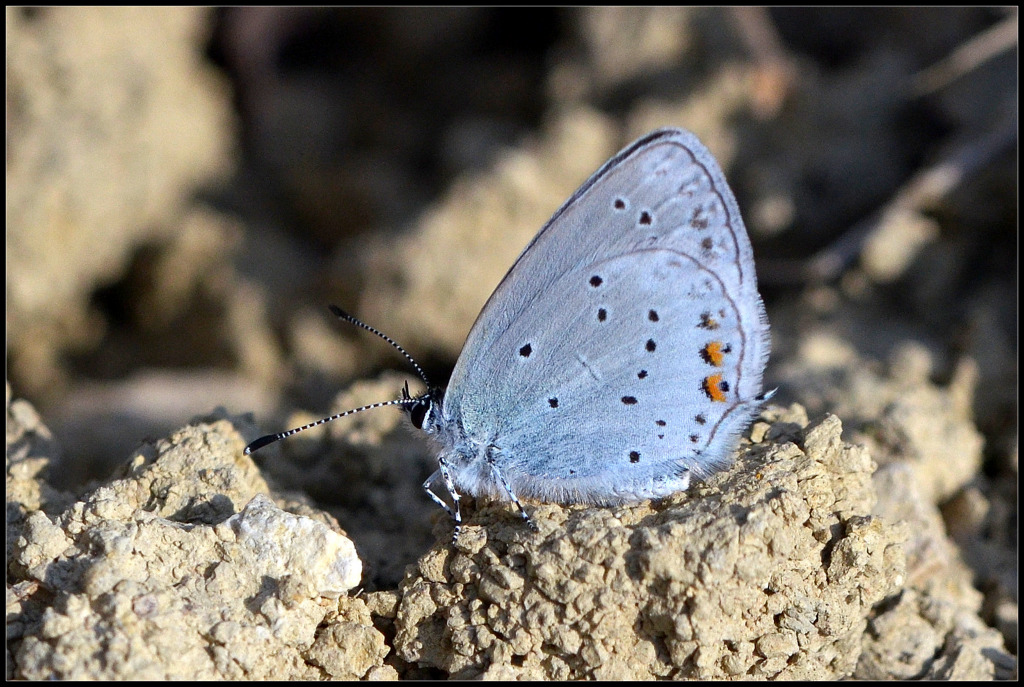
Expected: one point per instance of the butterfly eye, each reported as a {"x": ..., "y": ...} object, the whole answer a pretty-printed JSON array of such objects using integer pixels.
[{"x": 418, "y": 412}]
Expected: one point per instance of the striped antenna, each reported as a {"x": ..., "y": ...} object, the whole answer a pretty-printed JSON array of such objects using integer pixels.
[
  {"x": 349, "y": 318},
  {"x": 271, "y": 438},
  {"x": 406, "y": 400}
]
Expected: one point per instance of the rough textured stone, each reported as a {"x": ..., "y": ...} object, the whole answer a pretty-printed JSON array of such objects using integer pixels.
[
  {"x": 769, "y": 570},
  {"x": 154, "y": 575}
]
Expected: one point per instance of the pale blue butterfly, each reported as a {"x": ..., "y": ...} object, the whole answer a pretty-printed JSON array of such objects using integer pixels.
[{"x": 621, "y": 355}]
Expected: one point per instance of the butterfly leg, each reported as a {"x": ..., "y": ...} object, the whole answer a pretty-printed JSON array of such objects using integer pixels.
[
  {"x": 500, "y": 479},
  {"x": 449, "y": 484},
  {"x": 437, "y": 499}
]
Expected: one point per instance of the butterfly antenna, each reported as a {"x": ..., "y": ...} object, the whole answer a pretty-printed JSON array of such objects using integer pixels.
[
  {"x": 406, "y": 400},
  {"x": 349, "y": 318},
  {"x": 271, "y": 438}
]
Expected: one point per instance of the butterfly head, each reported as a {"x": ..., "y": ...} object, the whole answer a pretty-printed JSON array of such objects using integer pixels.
[{"x": 424, "y": 409}]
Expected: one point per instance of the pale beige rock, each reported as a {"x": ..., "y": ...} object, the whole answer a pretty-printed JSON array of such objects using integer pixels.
[
  {"x": 895, "y": 409},
  {"x": 768, "y": 570},
  {"x": 774, "y": 568},
  {"x": 921, "y": 637},
  {"x": 154, "y": 576},
  {"x": 349, "y": 647},
  {"x": 281, "y": 543}
]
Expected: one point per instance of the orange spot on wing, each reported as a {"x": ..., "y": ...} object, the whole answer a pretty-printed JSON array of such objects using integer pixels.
[
  {"x": 713, "y": 354},
  {"x": 713, "y": 388}
]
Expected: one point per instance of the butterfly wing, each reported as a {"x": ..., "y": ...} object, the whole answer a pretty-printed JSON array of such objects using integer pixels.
[{"x": 624, "y": 349}]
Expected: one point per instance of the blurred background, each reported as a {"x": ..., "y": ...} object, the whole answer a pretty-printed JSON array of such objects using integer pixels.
[{"x": 187, "y": 190}]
